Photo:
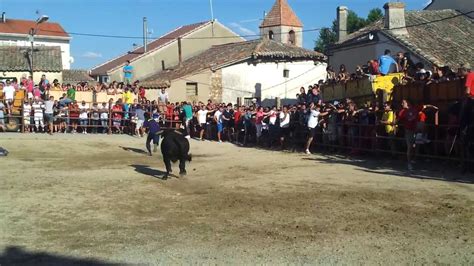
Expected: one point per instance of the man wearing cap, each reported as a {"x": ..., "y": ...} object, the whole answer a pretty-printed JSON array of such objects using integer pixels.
[{"x": 153, "y": 127}]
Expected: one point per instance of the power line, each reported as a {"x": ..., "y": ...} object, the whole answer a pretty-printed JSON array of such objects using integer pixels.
[{"x": 249, "y": 35}]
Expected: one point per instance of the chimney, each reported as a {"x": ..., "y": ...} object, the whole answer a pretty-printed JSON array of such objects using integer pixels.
[
  {"x": 342, "y": 13},
  {"x": 180, "y": 52},
  {"x": 395, "y": 18},
  {"x": 4, "y": 17}
]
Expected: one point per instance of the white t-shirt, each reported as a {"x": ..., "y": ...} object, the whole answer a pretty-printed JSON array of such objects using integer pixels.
[
  {"x": 286, "y": 122},
  {"x": 9, "y": 92},
  {"x": 218, "y": 116},
  {"x": 83, "y": 111},
  {"x": 202, "y": 114},
  {"x": 163, "y": 97},
  {"x": 313, "y": 119},
  {"x": 272, "y": 119}
]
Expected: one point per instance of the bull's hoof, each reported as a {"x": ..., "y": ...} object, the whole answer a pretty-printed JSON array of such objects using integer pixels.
[
  {"x": 165, "y": 177},
  {"x": 183, "y": 173}
]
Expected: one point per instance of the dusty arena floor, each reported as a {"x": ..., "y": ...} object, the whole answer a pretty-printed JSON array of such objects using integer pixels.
[{"x": 99, "y": 199}]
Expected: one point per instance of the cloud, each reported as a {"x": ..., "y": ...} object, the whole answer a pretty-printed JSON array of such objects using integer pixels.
[
  {"x": 241, "y": 29},
  {"x": 91, "y": 55}
]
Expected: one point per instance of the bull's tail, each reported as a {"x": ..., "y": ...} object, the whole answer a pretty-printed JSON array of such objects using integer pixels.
[{"x": 190, "y": 157}]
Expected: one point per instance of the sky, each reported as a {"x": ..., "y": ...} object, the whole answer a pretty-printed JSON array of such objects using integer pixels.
[{"x": 124, "y": 17}]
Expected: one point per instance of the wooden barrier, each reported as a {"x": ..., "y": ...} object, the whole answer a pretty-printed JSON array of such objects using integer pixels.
[{"x": 88, "y": 96}]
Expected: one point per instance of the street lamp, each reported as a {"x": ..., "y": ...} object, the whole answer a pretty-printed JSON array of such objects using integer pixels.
[{"x": 33, "y": 31}]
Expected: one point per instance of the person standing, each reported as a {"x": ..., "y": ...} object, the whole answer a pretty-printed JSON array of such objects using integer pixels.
[
  {"x": 83, "y": 116},
  {"x": 128, "y": 72},
  {"x": 188, "y": 116},
  {"x": 313, "y": 125},
  {"x": 202, "y": 121},
  {"x": 408, "y": 116},
  {"x": 153, "y": 127},
  {"x": 284, "y": 126},
  {"x": 104, "y": 117},
  {"x": 163, "y": 97},
  {"x": 388, "y": 120},
  {"x": 218, "y": 120},
  {"x": 38, "y": 114},
  {"x": 95, "y": 117},
  {"x": 27, "y": 115},
  {"x": 228, "y": 121},
  {"x": 140, "y": 115},
  {"x": 49, "y": 113},
  {"x": 9, "y": 95},
  {"x": 385, "y": 63}
]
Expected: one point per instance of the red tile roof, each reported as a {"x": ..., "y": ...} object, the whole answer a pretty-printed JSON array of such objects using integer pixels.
[
  {"x": 17, "y": 26},
  {"x": 281, "y": 15},
  {"x": 168, "y": 38}
]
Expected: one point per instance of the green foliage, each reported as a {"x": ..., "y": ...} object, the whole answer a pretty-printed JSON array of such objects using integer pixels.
[{"x": 328, "y": 36}]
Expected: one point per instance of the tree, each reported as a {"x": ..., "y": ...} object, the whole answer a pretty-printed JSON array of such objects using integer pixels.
[
  {"x": 328, "y": 36},
  {"x": 374, "y": 15}
]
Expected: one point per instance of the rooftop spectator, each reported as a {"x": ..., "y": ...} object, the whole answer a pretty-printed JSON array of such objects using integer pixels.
[{"x": 386, "y": 62}]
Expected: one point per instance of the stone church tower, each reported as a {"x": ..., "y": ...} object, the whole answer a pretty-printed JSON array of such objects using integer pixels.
[{"x": 282, "y": 25}]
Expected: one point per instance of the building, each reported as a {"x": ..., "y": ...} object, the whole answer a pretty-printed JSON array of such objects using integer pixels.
[
  {"x": 15, "y": 62},
  {"x": 433, "y": 37},
  {"x": 282, "y": 25},
  {"x": 15, "y": 32},
  {"x": 74, "y": 76},
  {"x": 263, "y": 69},
  {"x": 166, "y": 51},
  {"x": 463, "y": 6}
]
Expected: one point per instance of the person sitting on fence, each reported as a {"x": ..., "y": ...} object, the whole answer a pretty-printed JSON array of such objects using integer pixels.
[{"x": 386, "y": 62}]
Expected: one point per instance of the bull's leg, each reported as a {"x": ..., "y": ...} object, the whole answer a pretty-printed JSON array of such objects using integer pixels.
[
  {"x": 167, "y": 162},
  {"x": 182, "y": 166}
]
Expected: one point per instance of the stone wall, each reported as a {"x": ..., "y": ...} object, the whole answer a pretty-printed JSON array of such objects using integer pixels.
[{"x": 215, "y": 93}]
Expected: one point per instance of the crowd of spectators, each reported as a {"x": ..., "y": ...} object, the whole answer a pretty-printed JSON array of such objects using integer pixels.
[
  {"x": 334, "y": 125},
  {"x": 386, "y": 64}
]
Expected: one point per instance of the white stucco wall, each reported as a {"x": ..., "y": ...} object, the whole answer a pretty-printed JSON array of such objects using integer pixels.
[
  {"x": 23, "y": 41},
  {"x": 265, "y": 80}
]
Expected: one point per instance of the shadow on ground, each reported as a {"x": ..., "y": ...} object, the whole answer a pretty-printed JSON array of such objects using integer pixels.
[
  {"x": 146, "y": 170},
  {"x": 14, "y": 255},
  {"x": 139, "y": 151},
  {"x": 438, "y": 170}
]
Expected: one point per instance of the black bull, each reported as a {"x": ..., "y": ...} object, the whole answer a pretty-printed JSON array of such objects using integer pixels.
[{"x": 174, "y": 147}]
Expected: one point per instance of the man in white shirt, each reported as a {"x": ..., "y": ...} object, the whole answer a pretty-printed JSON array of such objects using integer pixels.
[
  {"x": 163, "y": 96},
  {"x": 202, "y": 120},
  {"x": 313, "y": 124},
  {"x": 284, "y": 126},
  {"x": 49, "y": 113},
  {"x": 218, "y": 119},
  {"x": 9, "y": 95},
  {"x": 83, "y": 117}
]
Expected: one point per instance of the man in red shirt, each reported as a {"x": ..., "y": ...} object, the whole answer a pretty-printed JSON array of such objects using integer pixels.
[
  {"x": 465, "y": 115},
  {"x": 408, "y": 116}
]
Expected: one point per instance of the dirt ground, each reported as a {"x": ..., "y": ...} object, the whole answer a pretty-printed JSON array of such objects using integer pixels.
[{"x": 99, "y": 199}]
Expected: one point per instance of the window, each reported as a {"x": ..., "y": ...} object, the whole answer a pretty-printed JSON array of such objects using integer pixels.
[
  {"x": 292, "y": 37},
  {"x": 270, "y": 35},
  {"x": 191, "y": 89}
]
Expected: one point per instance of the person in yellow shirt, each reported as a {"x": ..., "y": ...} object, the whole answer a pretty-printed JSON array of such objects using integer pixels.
[
  {"x": 388, "y": 119},
  {"x": 127, "y": 102}
]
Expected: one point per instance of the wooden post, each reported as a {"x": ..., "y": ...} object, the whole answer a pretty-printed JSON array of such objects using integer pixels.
[{"x": 278, "y": 102}]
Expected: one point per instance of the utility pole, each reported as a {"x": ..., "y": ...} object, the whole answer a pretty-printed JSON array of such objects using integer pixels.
[
  {"x": 212, "y": 17},
  {"x": 31, "y": 38},
  {"x": 145, "y": 35}
]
